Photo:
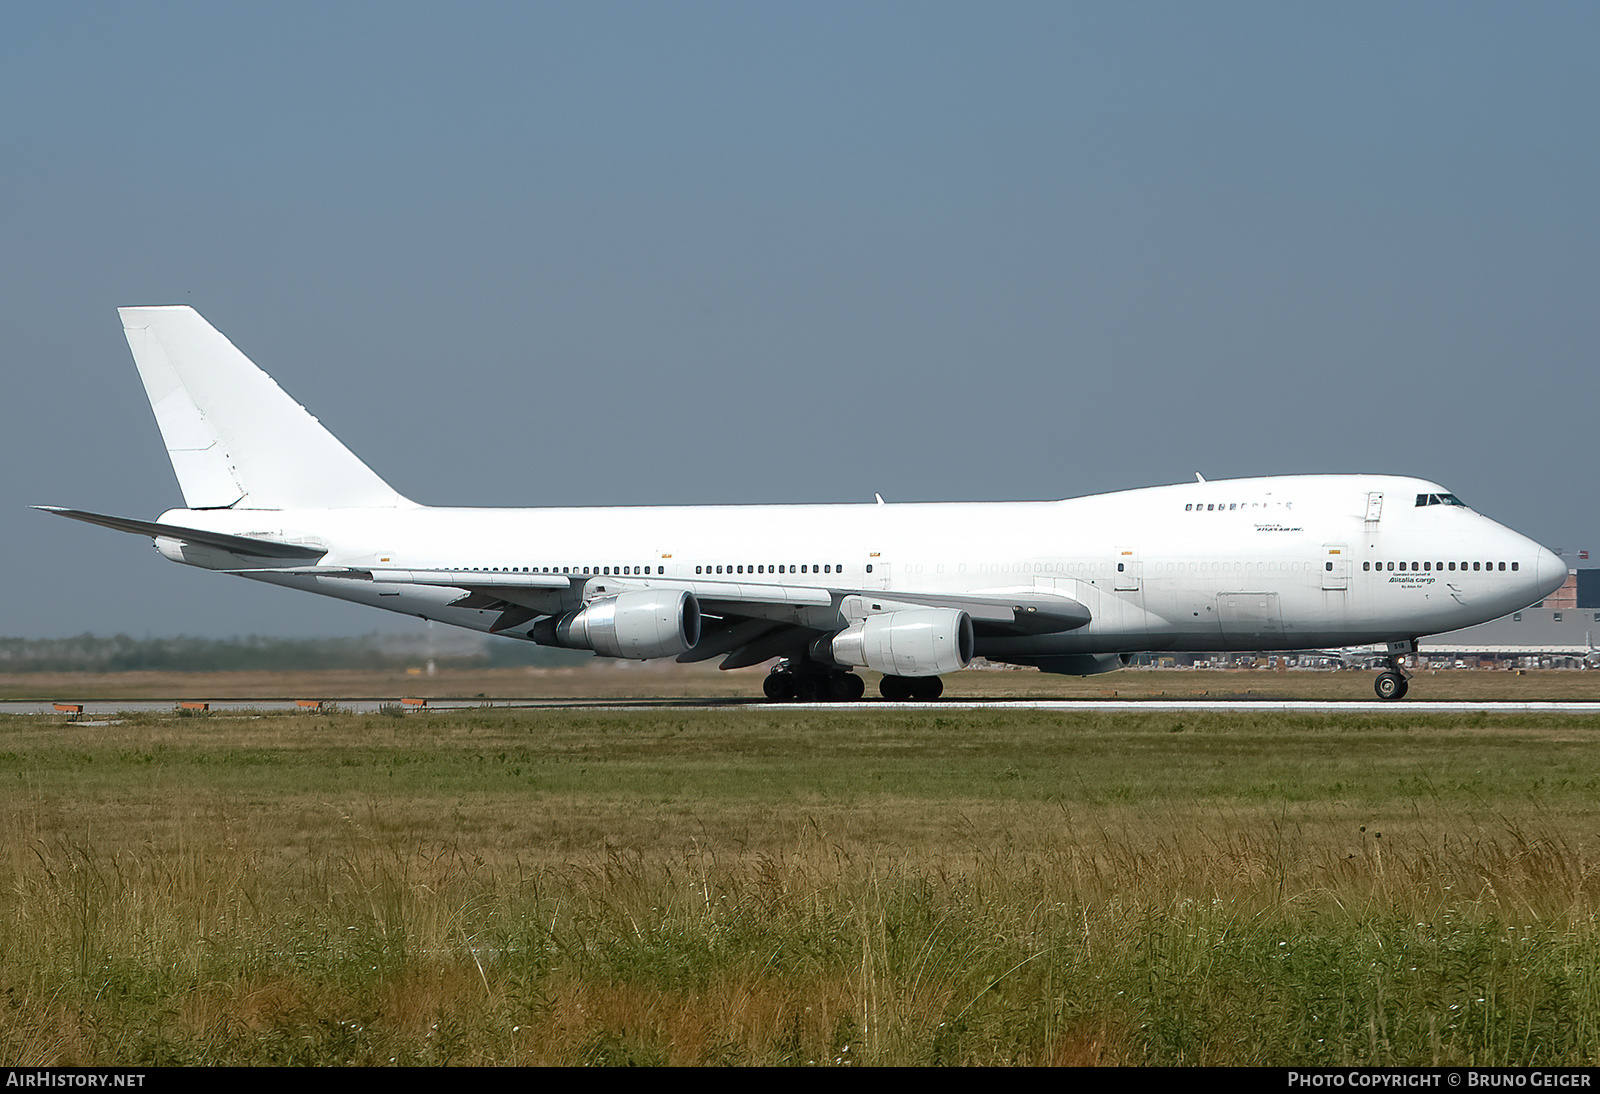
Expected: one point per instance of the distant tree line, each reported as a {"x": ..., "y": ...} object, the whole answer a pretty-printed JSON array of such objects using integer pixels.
[{"x": 121, "y": 653}]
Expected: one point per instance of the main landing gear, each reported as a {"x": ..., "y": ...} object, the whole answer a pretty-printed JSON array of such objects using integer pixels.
[
  {"x": 1393, "y": 683},
  {"x": 813, "y": 685},
  {"x": 809, "y": 682}
]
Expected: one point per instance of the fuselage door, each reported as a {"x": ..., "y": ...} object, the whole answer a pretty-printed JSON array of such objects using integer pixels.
[
  {"x": 1127, "y": 572},
  {"x": 1335, "y": 567},
  {"x": 1374, "y": 507}
]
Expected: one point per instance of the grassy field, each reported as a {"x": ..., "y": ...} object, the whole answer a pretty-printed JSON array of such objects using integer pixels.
[{"x": 770, "y": 886}]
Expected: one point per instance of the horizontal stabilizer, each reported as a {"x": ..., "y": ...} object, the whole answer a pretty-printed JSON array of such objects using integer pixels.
[{"x": 242, "y": 545}]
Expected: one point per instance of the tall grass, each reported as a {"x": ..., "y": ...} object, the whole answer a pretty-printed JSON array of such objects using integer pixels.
[
  {"x": 1086, "y": 944},
  {"x": 757, "y": 886}
]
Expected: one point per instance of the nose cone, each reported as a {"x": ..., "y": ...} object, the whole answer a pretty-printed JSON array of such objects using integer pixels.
[{"x": 1550, "y": 572}]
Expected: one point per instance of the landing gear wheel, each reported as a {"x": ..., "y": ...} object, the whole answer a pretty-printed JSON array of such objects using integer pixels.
[
  {"x": 895, "y": 688},
  {"x": 921, "y": 689},
  {"x": 779, "y": 686},
  {"x": 846, "y": 687},
  {"x": 811, "y": 688},
  {"x": 1390, "y": 686}
]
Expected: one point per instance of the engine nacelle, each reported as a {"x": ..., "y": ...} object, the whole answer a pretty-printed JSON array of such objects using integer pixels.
[
  {"x": 912, "y": 642},
  {"x": 637, "y": 625}
]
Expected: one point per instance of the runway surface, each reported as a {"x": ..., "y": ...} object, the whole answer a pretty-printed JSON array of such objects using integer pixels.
[{"x": 100, "y": 709}]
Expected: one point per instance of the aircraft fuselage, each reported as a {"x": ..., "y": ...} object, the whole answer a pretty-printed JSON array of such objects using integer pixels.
[{"x": 1297, "y": 562}]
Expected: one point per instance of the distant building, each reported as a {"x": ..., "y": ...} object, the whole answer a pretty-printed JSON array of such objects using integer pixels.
[{"x": 1567, "y": 624}]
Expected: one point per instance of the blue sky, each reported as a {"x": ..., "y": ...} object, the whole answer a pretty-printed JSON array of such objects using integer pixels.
[{"x": 565, "y": 254}]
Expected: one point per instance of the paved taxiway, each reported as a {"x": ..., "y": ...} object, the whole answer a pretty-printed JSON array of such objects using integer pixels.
[{"x": 94, "y": 709}]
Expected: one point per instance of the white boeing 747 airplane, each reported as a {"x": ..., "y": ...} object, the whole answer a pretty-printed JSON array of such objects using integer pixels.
[{"x": 910, "y": 591}]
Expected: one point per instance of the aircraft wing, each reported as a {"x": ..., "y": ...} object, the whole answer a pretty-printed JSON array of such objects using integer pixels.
[
  {"x": 1012, "y": 611},
  {"x": 765, "y": 621},
  {"x": 472, "y": 579},
  {"x": 746, "y": 622},
  {"x": 750, "y": 622},
  {"x": 523, "y": 597},
  {"x": 1009, "y": 612}
]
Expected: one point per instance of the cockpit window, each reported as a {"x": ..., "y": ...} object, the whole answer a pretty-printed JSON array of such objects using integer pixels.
[{"x": 1439, "y": 499}]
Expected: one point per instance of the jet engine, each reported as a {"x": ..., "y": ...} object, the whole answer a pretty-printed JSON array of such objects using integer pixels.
[
  {"x": 637, "y": 625},
  {"x": 912, "y": 642}
]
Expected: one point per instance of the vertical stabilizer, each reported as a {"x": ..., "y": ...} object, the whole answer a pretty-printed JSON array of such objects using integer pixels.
[{"x": 234, "y": 436}]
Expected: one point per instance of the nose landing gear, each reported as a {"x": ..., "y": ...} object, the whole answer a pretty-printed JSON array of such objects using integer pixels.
[{"x": 1393, "y": 683}]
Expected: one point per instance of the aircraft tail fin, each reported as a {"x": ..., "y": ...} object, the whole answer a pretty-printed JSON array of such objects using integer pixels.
[{"x": 236, "y": 439}]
